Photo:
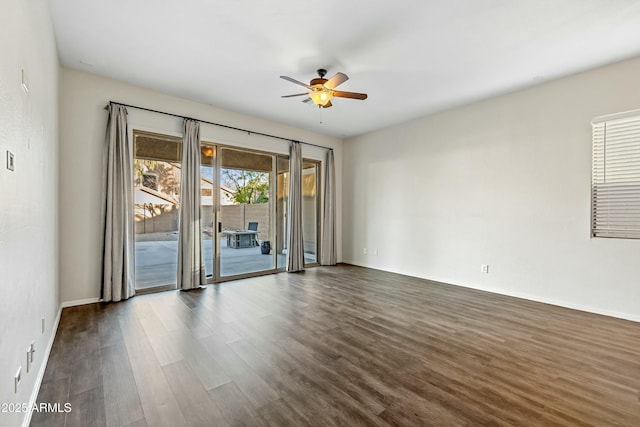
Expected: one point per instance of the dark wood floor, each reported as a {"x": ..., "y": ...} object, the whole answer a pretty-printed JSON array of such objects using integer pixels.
[{"x": 341, "y": 346}]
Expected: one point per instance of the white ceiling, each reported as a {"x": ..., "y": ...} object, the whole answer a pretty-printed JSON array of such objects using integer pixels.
[{"x": 413, "y": 57}]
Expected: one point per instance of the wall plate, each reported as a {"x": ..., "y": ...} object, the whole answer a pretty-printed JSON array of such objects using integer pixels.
[
  {"x": 25, "y": 85},
  {"x": 16, "y": 379},
  {"x": 10, "y": 164}
]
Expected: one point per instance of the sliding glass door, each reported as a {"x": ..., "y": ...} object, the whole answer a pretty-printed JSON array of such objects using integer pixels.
[
  {"x": 156, "y": 204},
  {"x": 282, "y": 204},
  {"x": 208, "y": 191},
  {"x": 247, "y": 212},
  {"x": 244, "y": 201},
  {"x": 310, "y": 210}
]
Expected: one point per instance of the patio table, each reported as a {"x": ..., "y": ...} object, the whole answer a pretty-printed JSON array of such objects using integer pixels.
[{"x": 238, "y": 239}]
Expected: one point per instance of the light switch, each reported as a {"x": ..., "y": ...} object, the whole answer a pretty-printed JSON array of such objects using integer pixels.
[
  {"x": 10, "y": 164},
  {"x": 25, "y": 86}
]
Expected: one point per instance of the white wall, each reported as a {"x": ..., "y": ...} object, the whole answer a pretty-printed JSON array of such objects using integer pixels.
[
  {"x": 28, "y": 195},
  {"x": 82, "y": 130},
  {"x": 504, "y": 182}
]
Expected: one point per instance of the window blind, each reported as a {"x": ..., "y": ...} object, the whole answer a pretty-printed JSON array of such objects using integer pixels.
[{"x": 615, "y": 182}]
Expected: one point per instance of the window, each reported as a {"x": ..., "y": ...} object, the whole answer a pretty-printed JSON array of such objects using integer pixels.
[{"x": 615, "y": 182}]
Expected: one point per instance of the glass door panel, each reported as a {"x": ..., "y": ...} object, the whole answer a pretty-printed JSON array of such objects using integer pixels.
[
  {"x": 246, "y": 229},
  {"x": 207, "y": 201},
  {"x": 156, "y": 205},
  {"x": 310, "y": 205},
  {"x": 282, "y": 203}
]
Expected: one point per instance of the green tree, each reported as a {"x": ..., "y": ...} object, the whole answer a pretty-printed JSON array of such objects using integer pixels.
[{"x": 248, "y": 186}]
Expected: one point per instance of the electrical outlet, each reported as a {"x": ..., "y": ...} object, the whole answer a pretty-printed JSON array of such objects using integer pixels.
[
  {"x": 364, "y": 251},
  {"x": 16, "y": 379},
  {"x": 484, "y": 268},
  {"x": 30, "y": 350}
]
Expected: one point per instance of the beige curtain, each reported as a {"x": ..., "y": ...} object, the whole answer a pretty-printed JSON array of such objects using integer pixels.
[
  {"x": 191, "y": 271},
  {"x": 118, "y": 245},
  {"x": 295, "y": 253},
  {"x": 328, "y": 251}
]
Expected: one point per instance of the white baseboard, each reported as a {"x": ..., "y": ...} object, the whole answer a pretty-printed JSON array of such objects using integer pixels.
[
  {"x": 79, "y": 302},
  {"x": 550, "y": 301},
  {"x": 41, "y": 371},
  {"x": 535, "y": 298},
  {"x": 559, "y": 303}
]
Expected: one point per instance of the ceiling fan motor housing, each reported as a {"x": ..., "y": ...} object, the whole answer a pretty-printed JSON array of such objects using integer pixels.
[{"x": 317, "y": 81}]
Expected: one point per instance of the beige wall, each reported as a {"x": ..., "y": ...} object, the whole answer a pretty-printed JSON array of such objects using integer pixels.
[
  {"x": 238, "y": 217},
  {"x": 161, "y": 221},
  {"x": 233, "y": 217},
  {"x": 28, "y": 196},
  {"x": 504, "y": 182},
  {"x": 82, "y": 128}
]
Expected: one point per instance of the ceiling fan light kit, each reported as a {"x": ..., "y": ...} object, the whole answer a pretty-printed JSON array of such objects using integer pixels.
[
  {"x": 321, "y": 97},
  {"x": 322, "y": 90}
]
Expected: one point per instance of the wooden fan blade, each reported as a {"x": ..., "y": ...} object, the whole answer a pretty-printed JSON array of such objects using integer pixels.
[
  {"x": 297, "y": 94},
  {"x": 289, "y": 79},
  {"x": 327, "y": 105},
  {"x": 352, "y": 95},
  {"x": 336, "y": 80}
]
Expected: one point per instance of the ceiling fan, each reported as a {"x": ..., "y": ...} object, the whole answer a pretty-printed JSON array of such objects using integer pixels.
[{"x": 321, "y": 90}]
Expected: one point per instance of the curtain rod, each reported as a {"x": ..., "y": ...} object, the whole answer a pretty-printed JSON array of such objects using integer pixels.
[{"x": 216, "y": 124}]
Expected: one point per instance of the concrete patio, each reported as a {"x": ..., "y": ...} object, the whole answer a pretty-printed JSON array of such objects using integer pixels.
[{"x": 157, "y": 254}]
